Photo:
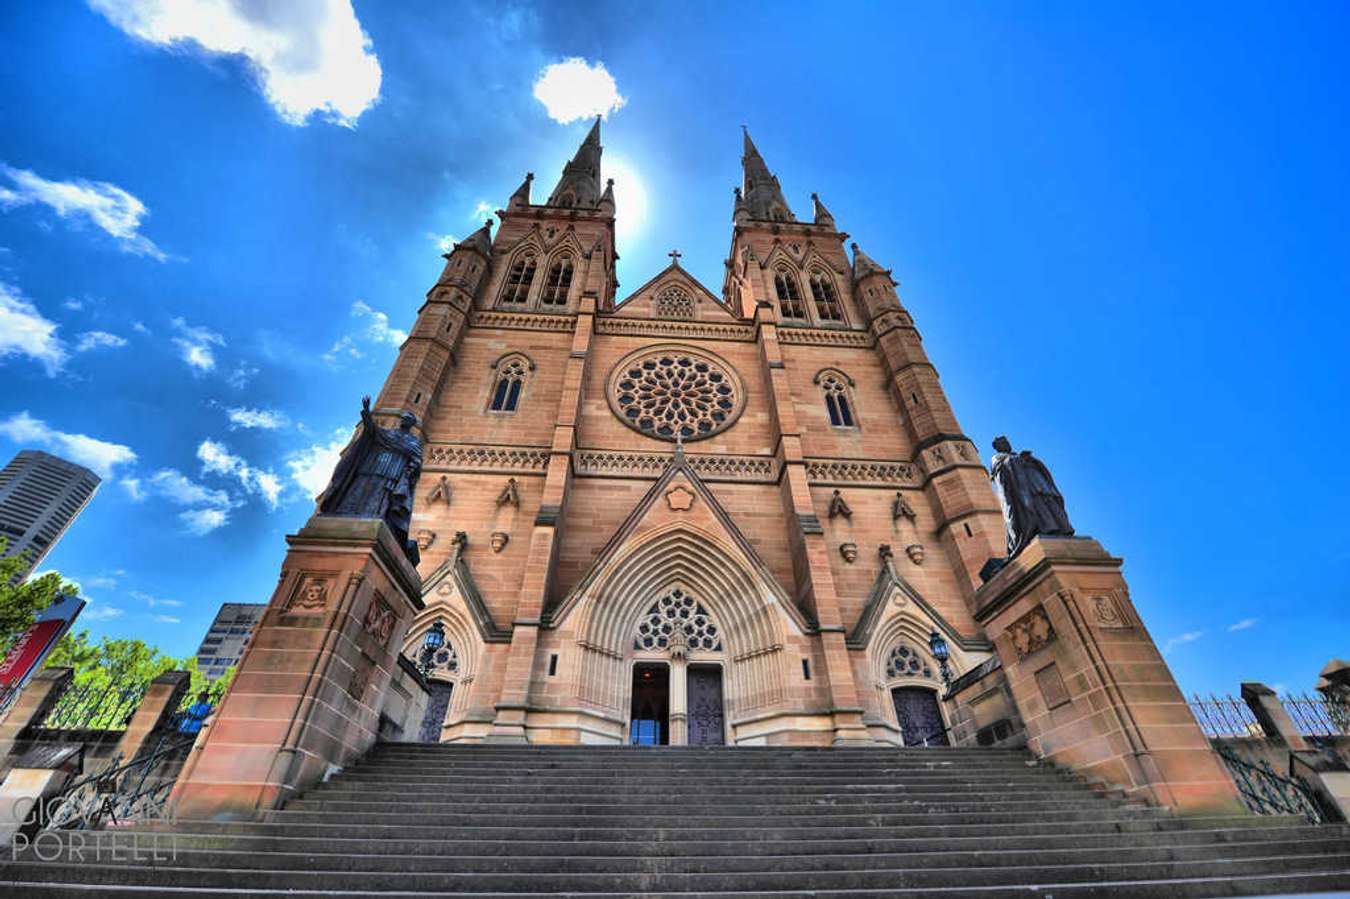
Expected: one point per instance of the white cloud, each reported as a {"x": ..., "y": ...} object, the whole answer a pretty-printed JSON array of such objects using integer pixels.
[
  {"x": 181, "y": 490},
  {"x": 140, "y": 328},
  {"x": 104, "y": 205},
  {"x": 133, "y": 488},
  {"x": 167, "y": 619},
  {"x": 1244, "y": 624},
  {"x": 194, "y": 344},
  {"x": 444, "y": 242},
  {"x": 99, "y": 455},
  {"x": 265, "y": 419},
  {"x": 216, "y": 458},
  {"x": 26, "y": 331},
  {"x": 73, "y": 304},
  {"x": 1182, "y": 639},
  {"x": 102, "y": 582},
  {"x": 482, "y": 211},
  {"x": 309, "y": 57},
  {"x": 242, "y": 374},
  {"x": 153, "y": 601},
  {"x": 200, "y": 522},
  {"x": 573, "y": 89},
  {"x": 311, "y": 468},
  {"x": 100, "y": 612},
  {"x": 376, "y": 330},
  {"x": 92, "y": 340}
]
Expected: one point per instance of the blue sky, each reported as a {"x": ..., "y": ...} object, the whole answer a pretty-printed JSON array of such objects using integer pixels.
[{"x": 1122, "y": 232}]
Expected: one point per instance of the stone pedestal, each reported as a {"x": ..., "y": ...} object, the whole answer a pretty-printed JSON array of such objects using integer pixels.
[
  {"x": 308, "y": 693},
  {"x": 1093, "y": 691}
]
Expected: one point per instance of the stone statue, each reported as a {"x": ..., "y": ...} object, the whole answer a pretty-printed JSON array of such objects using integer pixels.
[
  {"x": 1031, "y": 502},
  {"x": 376, "y": 476}
]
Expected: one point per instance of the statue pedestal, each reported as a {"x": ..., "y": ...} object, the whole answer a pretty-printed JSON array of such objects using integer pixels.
[
  {"x": 1095, "y": 694},
  {"x": 308, "y": 693}
]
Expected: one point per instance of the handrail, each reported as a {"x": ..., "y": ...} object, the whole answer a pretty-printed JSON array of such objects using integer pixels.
[{"x": 1267, "y": 793}]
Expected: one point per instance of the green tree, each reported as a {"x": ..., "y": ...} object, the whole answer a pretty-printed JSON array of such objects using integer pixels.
[
  {"x": 214, "y": 688},
  {"x": 20, "y": 602}
]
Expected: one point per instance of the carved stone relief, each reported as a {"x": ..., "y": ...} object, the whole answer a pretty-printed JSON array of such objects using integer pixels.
[
  {"x": 311, "y": 594},
  {"x": 839, "y": 507},
  {"x": 380, "y": 619},
  {"x": 498, "y": 540},
  {"x": 680, "y": 498},
  {"x": 849, "y": 551},
  {"x": 1031, "y": 632},
  {"x": 1106, "y": 612},
  {"x": 510, "y": 495},
  {"x": 915, "y": 553},
  {"x": 425, "y": 538}
]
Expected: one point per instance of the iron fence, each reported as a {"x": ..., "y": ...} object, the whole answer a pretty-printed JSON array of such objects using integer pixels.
[
  {"x": 7, "y": 696},
  {"x": 1224, "y": 716},
  {"x": 1266, "y": 793},
  {"x": 93, "y": 707},
  {"x": 1317, "y": 716}
]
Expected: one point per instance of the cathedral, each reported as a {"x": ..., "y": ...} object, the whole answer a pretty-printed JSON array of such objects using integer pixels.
[{"x": 683, "y": 515}]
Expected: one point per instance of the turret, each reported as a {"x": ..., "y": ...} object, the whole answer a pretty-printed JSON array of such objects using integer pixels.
[
  {"x": 521, "y": 198},
  {"x": 873, "y": 285},
  {"x": 822, "y": 214}
]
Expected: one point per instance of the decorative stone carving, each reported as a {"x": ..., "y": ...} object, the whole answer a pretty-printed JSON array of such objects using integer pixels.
[
  {"x": 1031, "y": 632},
  {"x": 680, "y": 498},
  {"x": 915, "y": 553},
  {"x": 885, "y": 551},
  {"x": 675, "y": 391},
  {"x": 902, "y": 509},
  {"x": 825, "y": 471},
  {"x": 380, "y": 619},
  {"x": 674, "y": 302},
  {"x": 1106, "y": 612},
  {"x": 425, "y": 538},
  {"x": 510, "y": 495},
  {"x": 460, "y": 541},
  {"x": 756, "y": 469},
  {"x": 498, "y": 540},
  {"x": 839, "y": 507},
  {"x": 440, "y": 492},
  {"x": 677, "y": 610},
  {"x": 678, "y": 645},
  {"x": 849, "y": 551},
  {"x": 906, "y": 661},
  {"x": 479, "y": 458},
  {"x": 311, "y": 595}
]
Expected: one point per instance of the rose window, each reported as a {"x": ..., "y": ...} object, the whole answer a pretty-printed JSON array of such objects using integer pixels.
[
  {"x": 674, "y": 393},
  {"x": 674, "y": 303},
  {"x": 906, "y": 661},
  {"x": 677, "y": 609}
]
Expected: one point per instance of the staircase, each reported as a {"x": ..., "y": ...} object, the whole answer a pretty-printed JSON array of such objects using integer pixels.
[{"x": 417, "y": 820}]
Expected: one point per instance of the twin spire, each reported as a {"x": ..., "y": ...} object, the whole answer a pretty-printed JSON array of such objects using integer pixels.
[{"x": 579, "y": 187}]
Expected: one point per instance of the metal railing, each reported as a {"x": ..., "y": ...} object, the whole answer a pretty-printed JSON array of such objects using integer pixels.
[
  {"x": 124, "y": 792},
  {"x": 1317, "y": 716},
  {"x": 1266, "y": 793},
  {"x": 1224, "y": 716},
  {"x": 93, "y": 707}
]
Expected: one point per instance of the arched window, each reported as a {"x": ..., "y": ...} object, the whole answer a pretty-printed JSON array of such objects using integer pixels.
[
  {"x": 677, "y": 609},
  {"x": 789, "y": 294},
  {"x": 558, "y": 282},
  {"x": 518, "y": 281},
  {"x": 838, "y": 404},
  {"x": 827, "y": 300},
  {"x": 907, "y": 661},
  {"x": 510, "y": 382}
]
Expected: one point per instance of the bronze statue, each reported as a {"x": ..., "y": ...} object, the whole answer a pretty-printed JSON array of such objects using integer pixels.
[
  {"x": 1031, "y": 502},
  {"x": 376, "y": 476}
]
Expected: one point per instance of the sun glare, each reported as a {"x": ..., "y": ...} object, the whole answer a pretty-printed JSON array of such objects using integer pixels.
[{"x": 630, "y": 200}]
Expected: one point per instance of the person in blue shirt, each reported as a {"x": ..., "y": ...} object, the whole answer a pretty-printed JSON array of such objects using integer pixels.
[{"x": 196, "y": 714}]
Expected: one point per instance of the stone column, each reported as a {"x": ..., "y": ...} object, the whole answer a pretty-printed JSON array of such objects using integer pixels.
[
  {"x": 307, "y": 697},
  {"x": 679, "y": 689},
  {"x": 1271, "y": 715},
  {"x": 1321, "y": 769},
  {"x": 1093, "y": 690},
  {"x": 31, "y": 705},
  {"x": 161, "y": 700}
]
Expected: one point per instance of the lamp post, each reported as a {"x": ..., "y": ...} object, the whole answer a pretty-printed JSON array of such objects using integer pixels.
[
  {"x": 433, "y": 641},
  {"x": 938, "y": 647}
]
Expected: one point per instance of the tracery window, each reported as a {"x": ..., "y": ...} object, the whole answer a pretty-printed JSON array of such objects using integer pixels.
[
  {"x": 518, "y": 280},
  {"x": 673, "y": 392},
  {"x": 510, "y": 381},
  {"x": 444, "y": 661},
  {"x": 906, "y": 661},
  {"x": 838, "y": 405},
  {"x": 789, "y": 294},
  {"x": 677, "y": 609},
  {"x": 827, "y": 299},
  {"x": 674, "y": 302},
  {"x": 558, "y": 282}
]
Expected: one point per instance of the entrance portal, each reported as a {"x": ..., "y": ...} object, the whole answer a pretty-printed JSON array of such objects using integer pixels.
[
  {"x": 650, "y": 718},
  {"x": 438, "y": 702},
  {"x": 920, "y": 719},
  {"x": 706, "y": 727}
]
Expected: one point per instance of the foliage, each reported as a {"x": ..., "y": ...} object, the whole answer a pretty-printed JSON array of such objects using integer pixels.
[
  {"x": 111, "y": 662},
  {"x": 20, "y": 603},
  {"x": 214, "y": 688}
]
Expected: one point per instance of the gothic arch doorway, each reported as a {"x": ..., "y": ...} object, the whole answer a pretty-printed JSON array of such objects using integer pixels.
[
  {"x": 919, "y": 716},
  {"x": 649, "y": 716},
  {"x": 707, "y": 709}
]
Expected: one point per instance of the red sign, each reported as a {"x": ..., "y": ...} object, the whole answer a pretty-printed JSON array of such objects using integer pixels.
[{"x": 32, "y": 647}]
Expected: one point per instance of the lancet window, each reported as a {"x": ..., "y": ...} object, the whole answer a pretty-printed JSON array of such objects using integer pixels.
[
  {"x": 826, "y": 297},
  {"x": 677, "y": 610},
  {"x": 789, "y": 294},
  {"x": 838, "y": 402},
  {"x": 558, "y": 282},
  {"x": 519, "y": 280},
  {"x": 510, "y": 381},
  {"x": 906, "y": 661}
]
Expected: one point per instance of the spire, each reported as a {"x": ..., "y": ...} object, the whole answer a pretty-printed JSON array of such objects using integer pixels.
[
  {"x": 522, "y": 195},
  {"x": 864, "y": 265},
  {"x": 480, "y": 240},
  {"x": 607, "y": 198},
  {"x": 579, "y": 185},
  {"x": 823, "y": 216},
  {"x": 763, "y": 198}
]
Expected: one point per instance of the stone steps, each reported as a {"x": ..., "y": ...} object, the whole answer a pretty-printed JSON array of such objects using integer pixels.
[{"x": 427, "y": 821}]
